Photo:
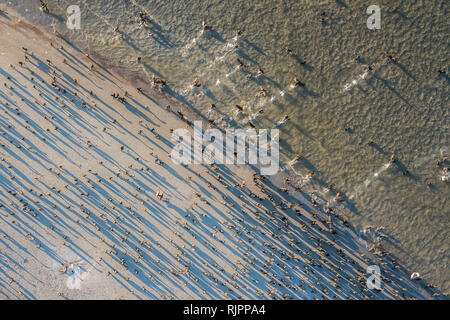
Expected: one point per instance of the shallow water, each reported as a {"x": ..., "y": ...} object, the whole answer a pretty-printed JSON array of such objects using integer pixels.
[{"x": 401, "y": 106}]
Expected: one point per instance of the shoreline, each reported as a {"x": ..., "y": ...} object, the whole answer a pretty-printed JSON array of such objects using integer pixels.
[{"x": 142, "y": 107}]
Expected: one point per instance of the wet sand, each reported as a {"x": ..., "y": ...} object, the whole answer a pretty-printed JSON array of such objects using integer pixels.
[{"x": 92, "y": 207}]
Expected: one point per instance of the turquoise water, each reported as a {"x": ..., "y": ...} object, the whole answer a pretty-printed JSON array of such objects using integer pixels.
[{"x": 401, "y": 106}]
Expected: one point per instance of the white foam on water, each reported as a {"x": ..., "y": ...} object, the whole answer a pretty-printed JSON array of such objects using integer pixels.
[
  {"x": 359, "y": 189},
  {"x": 349, "y": 85},
  {"x": 445, "y": 175},
  {"x": 293, "y": 161},
  {"x": 423, "y": 160},
  {"x": 271, "y": 99},
  {"x": 145, "y": 10}
]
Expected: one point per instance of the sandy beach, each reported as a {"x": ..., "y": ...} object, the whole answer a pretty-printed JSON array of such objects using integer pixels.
[{"x": 92, "y": 207}]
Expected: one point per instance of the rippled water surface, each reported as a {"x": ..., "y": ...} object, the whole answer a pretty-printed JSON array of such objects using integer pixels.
[{"x": 401, "y": 106}]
